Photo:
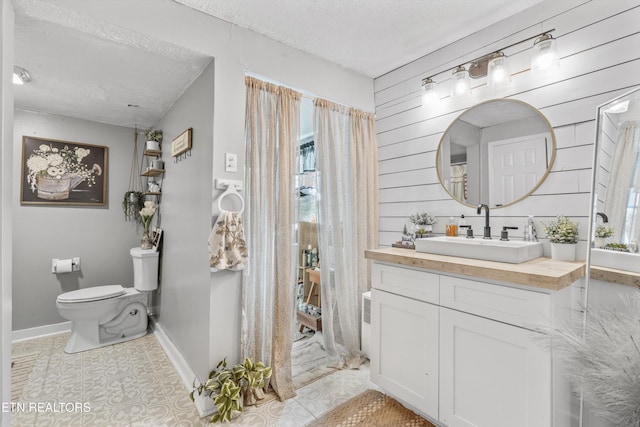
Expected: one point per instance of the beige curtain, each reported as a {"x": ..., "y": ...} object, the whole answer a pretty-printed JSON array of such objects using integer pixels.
[
  {"x": 272, "y": 138},
  {"x": 347, "y": 161},
  {"x": 621, "y": 178}
]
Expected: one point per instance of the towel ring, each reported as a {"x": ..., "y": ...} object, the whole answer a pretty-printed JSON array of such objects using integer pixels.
[{"x": 231, "y": 191}]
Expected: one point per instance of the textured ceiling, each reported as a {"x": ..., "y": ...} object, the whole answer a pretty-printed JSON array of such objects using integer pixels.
[
  {"x": 372, "y": 37},
  {"x": 87, "y": 68},
  {"x": 94, "y": 70}
]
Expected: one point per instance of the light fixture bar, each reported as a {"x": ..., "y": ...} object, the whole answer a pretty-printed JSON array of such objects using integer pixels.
[{"x": 497, "y": 50}]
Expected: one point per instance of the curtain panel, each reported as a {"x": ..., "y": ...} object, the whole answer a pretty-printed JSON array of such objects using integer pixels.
[
  {"x": 621, "y": 178},
  {"x": 347, "y": 161},
  {"x": 272, "y": 140}
]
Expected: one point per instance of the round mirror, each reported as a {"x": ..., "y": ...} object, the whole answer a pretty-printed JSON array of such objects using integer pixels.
[{"x": 497, "y": 152}]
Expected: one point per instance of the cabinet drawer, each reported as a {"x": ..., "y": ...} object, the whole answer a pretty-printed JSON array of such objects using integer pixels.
[
  {"x": 403, "y": 281},
  {"x": 518, "y": 307}
]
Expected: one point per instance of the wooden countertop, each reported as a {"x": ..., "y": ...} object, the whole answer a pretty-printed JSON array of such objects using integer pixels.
[
  {"x": 541, "y": 272},
  {"x": 613, "y": 275}
]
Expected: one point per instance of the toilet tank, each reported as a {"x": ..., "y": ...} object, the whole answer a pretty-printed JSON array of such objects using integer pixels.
[{"x": 145, "y": 269}]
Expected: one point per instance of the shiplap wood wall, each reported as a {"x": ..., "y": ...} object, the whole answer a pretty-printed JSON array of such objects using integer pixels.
[{"x": 599, "y": 46}]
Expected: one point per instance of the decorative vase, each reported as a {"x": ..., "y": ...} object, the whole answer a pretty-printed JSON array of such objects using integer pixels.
[
  {"x": 146, "y": 240},
  {"x": 153, "y": 146},
  {"x": 599, "y": 242},
  {"x": 428, "y": 229},
  {"x": 563, "y": 251},
  {"x": 50, "y": 188}
]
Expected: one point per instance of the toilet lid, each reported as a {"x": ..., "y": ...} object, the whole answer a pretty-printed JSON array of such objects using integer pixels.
[{"x": 94, "y": 293}]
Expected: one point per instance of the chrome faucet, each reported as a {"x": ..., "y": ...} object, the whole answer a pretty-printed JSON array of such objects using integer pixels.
[
  {"x": 604, "y": 217},
  {"x": 487, "y": 228}
]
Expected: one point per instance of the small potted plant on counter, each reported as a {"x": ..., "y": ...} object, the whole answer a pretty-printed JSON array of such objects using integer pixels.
[
  {"x": 423, "y": 224},
  {"x": 563, "y": 235},
  {"x": 602, "y": 233}
]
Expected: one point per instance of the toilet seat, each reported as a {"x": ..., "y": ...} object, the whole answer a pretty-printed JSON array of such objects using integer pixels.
[{"x": 94, "y": 293}]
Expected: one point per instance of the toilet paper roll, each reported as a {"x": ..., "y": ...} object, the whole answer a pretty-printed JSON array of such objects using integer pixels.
[{"x": 64, "y": 266}]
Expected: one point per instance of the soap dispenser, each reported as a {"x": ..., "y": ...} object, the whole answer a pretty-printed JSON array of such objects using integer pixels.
[
  {"x": 452, "y": 228},
  {"x": 530, "y": 234}
]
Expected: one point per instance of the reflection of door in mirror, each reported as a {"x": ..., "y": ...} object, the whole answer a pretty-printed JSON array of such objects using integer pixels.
[{"x": 515, "y": 166}]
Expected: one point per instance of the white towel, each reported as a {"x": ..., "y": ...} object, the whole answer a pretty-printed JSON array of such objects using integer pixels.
[{"x": 227, "y": 247}]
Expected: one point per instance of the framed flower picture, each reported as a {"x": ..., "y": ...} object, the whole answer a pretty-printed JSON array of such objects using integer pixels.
[{"x": 63, "y": 173}]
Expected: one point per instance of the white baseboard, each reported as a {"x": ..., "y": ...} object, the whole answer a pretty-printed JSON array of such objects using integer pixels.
[
  {"x": 204, "y": 406},
  {"x": 40, "y": 331}
]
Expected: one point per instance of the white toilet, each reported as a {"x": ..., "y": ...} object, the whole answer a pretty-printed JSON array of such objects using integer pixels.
[{"x": 105, "y": 315}]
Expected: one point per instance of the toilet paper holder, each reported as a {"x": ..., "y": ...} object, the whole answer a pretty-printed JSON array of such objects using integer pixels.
[{"x": 75, "y": 264}]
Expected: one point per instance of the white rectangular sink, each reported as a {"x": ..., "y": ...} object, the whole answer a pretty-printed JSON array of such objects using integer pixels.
[
  {"x": 511, "y": 251},
  {"x": 615, "y": 259}
]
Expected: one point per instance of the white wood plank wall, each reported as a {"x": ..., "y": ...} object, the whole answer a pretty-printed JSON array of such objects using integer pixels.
[{"x": 598, "y": 42}]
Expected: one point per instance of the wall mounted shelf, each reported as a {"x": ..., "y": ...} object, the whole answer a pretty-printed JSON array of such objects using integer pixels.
[{"x": 152, "y": 172}]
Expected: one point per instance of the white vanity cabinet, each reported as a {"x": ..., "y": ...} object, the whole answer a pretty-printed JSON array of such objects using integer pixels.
[
  {"x": 462, "y": 352},
  {"x": 493, "y": 371},
  {"x": 404, "y": 336}
]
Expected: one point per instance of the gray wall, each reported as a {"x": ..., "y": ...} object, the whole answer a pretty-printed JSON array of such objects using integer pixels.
[
  {"x": 182, "y": 306},
  {"x": 597, "y": 42},
  {"x": 98, "y": 235},
  {"x": 236, "y": 51}
]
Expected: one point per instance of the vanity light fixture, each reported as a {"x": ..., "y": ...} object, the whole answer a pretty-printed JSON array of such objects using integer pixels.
[
  {"x": 545, "y": 53},
  {"x": 498, "y": 74},
  {"x": 495, "y": 66},
  {"x": 460, "y": 83},
  {"x": 429, "y": 92},
  {"x": 20, "y": 75}
]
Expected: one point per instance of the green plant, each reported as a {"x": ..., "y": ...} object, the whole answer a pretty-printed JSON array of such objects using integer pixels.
[
  {"x": 252, "y": 378},
  {"x": 422, "y": 218},
  {"x": 132, "y": 203},
  {"x": 562, "y": 230},
  {"x": 228, "y": 386},
  {"x": 617, "y": 247},
  {"x": 603, "y": 231},
  {"x": 154, "y": 135}
]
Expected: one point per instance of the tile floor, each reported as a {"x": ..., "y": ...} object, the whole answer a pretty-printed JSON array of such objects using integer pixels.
[{"x": 134, "y": 384}]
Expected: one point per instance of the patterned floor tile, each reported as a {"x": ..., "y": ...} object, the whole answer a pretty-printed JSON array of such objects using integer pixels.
[{"x": 134, "y": 384}]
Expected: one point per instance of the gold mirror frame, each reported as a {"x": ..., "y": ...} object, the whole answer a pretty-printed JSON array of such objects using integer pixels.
[{"x": 485, "y": 104}]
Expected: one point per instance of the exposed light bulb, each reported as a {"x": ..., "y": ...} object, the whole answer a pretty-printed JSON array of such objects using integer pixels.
[
  {"x": 20, "y": 75},
  {"x": 545, "y": 54},
  {"x": 460, "y": 83},
  {"x": 429, "y": 93},
  {"x": 498, "y": 74}
]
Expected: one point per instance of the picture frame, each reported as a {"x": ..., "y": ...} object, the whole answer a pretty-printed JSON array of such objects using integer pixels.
[
  {"x": 156, "y": 238},
  {"x": 56, "y": 172},
  {"x": 181, "y": 143}
]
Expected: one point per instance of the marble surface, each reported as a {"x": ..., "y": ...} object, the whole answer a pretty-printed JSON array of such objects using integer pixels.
[{"x": 134, "y": 384}]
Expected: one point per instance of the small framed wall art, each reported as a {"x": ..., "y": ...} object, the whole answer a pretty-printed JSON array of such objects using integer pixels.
[
  {"x": 182, "y": 143},
  {"x": 63, "y": 173}
]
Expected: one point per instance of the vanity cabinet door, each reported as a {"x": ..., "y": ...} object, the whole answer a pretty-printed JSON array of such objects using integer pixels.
[
  {"x": 491, "y": 374},
  {"x": 404, "y": 349}
]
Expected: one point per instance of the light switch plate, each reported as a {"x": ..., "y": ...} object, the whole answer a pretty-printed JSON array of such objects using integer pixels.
[{"x": 230, "y": 162}]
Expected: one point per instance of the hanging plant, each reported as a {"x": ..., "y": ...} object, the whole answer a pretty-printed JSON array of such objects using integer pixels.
[
  {"x": 133, "y": 200},
  {"x": 132, "y": 203}
]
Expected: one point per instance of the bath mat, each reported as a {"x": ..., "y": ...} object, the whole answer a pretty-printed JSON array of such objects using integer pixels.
[
  {"x": 21, "y": 367},
  {"x": 309, "y": 361},
  {"x": 370, "y": 409}
]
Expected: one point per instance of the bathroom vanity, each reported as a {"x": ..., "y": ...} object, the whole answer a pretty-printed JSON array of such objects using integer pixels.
[{"x": 453, "y": 338}]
